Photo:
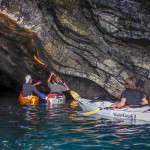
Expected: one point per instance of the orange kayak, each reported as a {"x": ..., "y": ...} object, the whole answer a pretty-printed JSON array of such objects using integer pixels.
[{"x": 32, "y": 100}]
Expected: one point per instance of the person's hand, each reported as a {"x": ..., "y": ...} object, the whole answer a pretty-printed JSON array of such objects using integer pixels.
[
  {"x": 64, "y": 84},
  {"x": 113, "y": 105},
  {"x": 52, "y": 73},
  {"x": 101, "y": 104}
]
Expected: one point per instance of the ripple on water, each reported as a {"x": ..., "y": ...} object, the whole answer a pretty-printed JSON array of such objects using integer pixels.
[{"x": 61, "y": 127}]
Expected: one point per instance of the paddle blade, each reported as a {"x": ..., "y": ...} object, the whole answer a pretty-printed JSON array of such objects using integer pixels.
[
  {"x": 74, "y": 104},
  {"x": 38, "y": 60},
  {"x": 74, "y": 94},
  {"x": 90, "y": 112}
]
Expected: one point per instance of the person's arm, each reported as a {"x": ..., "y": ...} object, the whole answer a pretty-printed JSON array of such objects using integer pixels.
[
  {"x": 144, "y": 101},
  {"x": 35, "y": 90},
  {"x": 119, "y": 104},
  {"x": 37, "y": 83},
  {"x": 49, "y": 79},
  {"x": 67, "y": 88}
]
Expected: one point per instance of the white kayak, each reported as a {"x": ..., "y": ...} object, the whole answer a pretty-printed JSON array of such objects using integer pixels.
[
  {"x": 103, "y": 109},
  {"x": 55, "y": 99}
]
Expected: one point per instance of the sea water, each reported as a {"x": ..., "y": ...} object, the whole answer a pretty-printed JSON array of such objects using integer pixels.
[{"x": 61, "y": 127}]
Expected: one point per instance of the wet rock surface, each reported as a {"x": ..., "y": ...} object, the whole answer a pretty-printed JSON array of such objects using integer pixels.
[{"x": 92, "y": 44}]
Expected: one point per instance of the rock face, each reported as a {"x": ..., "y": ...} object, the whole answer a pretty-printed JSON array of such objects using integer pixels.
[{"x": 92, "y": 44}]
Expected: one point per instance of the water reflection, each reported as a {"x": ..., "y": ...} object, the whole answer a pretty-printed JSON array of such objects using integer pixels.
[{"x": 61, "y": 127}]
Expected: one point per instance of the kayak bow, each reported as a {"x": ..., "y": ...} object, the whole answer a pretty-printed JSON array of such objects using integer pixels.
[{"x": 103, "y": 109}]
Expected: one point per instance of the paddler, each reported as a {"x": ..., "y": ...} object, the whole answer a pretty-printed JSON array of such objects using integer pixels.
[
  {"x": 55, "y": 87},
  {"x": 131, "y": 96},
  {"x": 29, "y": 89}
]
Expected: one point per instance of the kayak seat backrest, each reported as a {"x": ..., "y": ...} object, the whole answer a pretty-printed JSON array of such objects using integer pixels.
[{"x": 52, "y": 95}]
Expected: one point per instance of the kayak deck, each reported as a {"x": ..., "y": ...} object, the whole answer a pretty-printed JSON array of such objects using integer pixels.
[
  {"x": 140, "y": 113},
  {"x": 31, "y": 100},
  {"x": 59, "y": 100},
  {"x": 55, "y": 99}
]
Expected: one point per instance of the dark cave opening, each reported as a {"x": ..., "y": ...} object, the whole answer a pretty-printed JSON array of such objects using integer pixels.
[{"x": 7, "y": 91}]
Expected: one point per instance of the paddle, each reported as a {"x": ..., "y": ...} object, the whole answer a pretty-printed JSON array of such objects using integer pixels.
[
  {"x": 72, "y": 93},
  {"x": 75, "y": 102},
  {"x": 91, "y": 112},
  {"x": 35, "y": 57}
]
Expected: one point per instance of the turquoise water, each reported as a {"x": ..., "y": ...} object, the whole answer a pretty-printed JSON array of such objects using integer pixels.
[{"x": 60, "y": 127}]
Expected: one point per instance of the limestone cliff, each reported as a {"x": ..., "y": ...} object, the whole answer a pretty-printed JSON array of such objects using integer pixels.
[{"x": 92, "y": 44}]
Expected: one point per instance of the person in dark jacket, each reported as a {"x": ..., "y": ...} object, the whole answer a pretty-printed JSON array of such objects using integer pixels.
[
  {"x": 131, "y": 96},
  {"x": 29, "y": 89}
]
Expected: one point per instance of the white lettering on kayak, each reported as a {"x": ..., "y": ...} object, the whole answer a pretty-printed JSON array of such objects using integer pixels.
[{"x": 131, "y": 116}]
